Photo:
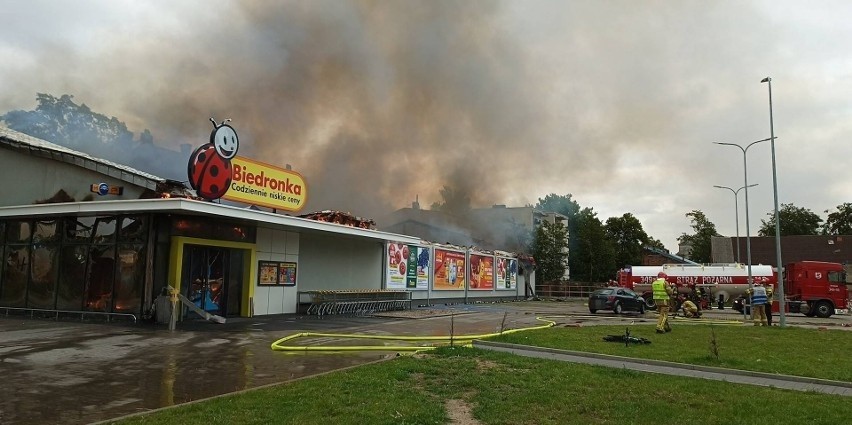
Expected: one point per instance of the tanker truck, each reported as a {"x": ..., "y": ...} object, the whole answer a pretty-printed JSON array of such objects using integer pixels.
[
  {"x": 813, "y": 288},
  {"x": 726, "y": 280}
]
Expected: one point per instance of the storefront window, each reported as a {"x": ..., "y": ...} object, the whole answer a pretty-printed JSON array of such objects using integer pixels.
[
  {"x": 105, "y": 230},
  {"x": 44, "y": 265},
  {"x": 15, "y": 274},
  {"x": 69, "y": 291},
  {"x": 133, "y": 230},
  {"x": 101, "y": 276},
  {"x": 131, "y": 278},
  {"x": 46, "y": 232},
  {"x": 79, "y": 229},
  {"x": 18, "y": 232}
]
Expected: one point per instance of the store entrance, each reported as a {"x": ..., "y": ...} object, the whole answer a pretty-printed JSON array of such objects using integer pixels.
[{"x": 212, "y": 278}]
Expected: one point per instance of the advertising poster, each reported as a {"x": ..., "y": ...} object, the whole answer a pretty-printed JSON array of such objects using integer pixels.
[
  {"x": 481, "y": 272},
  {"x": 287, "y": 274},
  {"x": 407, "y": 266},
  {"x": 267, "y": 273},
  {"x": 449, "y": 270},
  {"x": 276, "y": 273},
  {"x": 507, "y": 273}
]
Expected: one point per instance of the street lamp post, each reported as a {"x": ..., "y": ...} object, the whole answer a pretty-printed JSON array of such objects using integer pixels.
[
  {"x": 781, "y": 301},
  {"x": 736, "y": 213},
  {"x": 748, "y": 233}
]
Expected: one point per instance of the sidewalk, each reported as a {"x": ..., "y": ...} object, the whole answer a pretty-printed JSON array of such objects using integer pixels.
[{"x": 789, "y": 382}]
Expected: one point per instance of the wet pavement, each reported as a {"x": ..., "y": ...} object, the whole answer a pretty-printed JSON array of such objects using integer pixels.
[{"x": 75, "y": 373}]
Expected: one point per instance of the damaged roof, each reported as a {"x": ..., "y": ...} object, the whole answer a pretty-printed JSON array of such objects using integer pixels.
[{"x": 25, "y": 143}]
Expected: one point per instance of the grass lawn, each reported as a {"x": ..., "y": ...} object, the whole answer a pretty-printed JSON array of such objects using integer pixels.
[
  {"x": 498, "y": 388},
  {"x": 791, "y": 351}
]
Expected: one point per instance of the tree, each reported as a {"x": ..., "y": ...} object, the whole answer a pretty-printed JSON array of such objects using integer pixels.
[
  {"x": 594, "y": 258},
  {"x": 628, "y": 237},
  {"x": 64, "y": 122},
  {"x": 456, "y": 202},
  {"x": 563, "y": 204},
  {"x": 838, "y": 222},
  {"x": 700, "y": 241},
  {"x": 549, "y": 251},
  {"x": 794, "y": 221}
]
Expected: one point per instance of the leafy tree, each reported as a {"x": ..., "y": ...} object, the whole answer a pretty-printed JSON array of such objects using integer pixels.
[
  {"x": 559, "y": 204},
  {"x": 700, "y": 240},
  {"x": 549, "y": 251},
  {"x": 628, "y": 237},
  {"x": 794, "y": 221},
  {"x": 563, "y": 204},
  {"x": 455, "y": 202},
  {"x": 595, "y": 256},
  {"x": 64, "y": 122},
  {"x": 656, "y": 243},
  {"x": 838, "y": 222}
]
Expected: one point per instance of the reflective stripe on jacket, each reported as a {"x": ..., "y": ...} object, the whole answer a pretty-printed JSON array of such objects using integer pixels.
[
  {"x": 758, "y": 295},
  {"x": 659, "y": 288}
]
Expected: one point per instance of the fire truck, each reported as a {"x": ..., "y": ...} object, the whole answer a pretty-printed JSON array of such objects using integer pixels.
[{"x": 812, "y": 288}]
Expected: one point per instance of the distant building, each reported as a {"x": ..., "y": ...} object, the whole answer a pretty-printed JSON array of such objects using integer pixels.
[
  {"x": 652, "y": 256},
  {"x": 835, "y": 249}
]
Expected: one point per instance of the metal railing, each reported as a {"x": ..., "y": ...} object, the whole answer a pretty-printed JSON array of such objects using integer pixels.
[
  {"x": 566, "y": 290},
  {"x": 56, "y": 313}
]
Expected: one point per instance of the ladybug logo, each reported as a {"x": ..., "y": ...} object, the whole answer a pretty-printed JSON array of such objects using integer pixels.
[{"x": 209, "y": 167}]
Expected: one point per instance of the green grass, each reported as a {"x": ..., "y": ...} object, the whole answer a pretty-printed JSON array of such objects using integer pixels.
[
  {"x": 502, "y": 388},
  {"x": 792, "y": 351}
]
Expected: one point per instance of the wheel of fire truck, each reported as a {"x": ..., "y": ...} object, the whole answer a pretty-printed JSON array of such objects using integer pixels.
[
  {"x": 617, "y": 308},
  {"x": 823, "y": 309},
  {"x": 649, "y": 301}
]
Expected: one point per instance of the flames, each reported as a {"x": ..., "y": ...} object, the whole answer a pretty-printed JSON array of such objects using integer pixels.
[{"x": 338, "y": 217}]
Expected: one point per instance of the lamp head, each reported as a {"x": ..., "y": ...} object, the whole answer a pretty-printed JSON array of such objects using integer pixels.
[{"x": 766, "y": 80}]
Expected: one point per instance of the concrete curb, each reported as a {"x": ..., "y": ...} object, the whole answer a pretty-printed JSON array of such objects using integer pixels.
[{"x": 791, "y": 378}]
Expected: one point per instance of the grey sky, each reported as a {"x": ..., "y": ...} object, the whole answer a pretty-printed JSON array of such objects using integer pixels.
[{"x": 615, "y": 102}]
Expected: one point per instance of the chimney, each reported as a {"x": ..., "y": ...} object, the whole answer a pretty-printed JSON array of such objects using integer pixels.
[{"x": 416, "y": 204}]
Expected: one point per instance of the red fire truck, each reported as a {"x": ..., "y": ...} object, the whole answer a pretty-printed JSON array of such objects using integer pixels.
[{"x": 811, "y": 287}]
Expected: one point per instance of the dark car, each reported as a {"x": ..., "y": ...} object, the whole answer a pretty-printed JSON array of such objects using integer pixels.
[
  {"x": 739, "y": 303},
  {"x": 617, "y": 300}
]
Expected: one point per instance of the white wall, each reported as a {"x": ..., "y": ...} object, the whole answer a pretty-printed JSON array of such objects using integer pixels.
[
  {"x": 277, "y": 245},
  {"x": 29, "y": 178},
  {"x": 338, "y": 262}
]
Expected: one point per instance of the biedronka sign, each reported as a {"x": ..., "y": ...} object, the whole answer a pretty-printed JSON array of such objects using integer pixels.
[{"x": 215, "y": 171}]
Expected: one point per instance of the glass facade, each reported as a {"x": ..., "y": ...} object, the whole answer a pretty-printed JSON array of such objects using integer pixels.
[
  {"x": 74, "y": 263},
  {"x": 100, "y": 264}
]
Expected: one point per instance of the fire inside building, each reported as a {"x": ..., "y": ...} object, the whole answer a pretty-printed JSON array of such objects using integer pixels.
[{"x": 83, "y": 235}]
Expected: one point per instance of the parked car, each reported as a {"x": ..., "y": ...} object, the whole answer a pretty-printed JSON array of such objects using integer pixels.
[
  {"x": 739, "y": 303},
  {"x": 616, "y": 299}
]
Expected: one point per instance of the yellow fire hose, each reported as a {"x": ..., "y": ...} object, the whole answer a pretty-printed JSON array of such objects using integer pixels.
[{"x": 462, "y": 340}]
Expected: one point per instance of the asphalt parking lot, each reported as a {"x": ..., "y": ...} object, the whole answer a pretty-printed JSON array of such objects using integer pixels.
[{"x": 72, "y": 373}]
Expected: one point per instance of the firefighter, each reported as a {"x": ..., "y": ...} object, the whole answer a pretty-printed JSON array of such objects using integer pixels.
[
  {"x": 690, "y": 310},
  {"x": 758, "y": 303},
  {"x": 662, "y": 292},
  {"x": 768, "y": 301}
]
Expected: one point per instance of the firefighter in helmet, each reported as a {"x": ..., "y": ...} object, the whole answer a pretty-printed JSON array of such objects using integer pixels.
[
  {"x": 768, "y": 308},
  {"x": 690, "y": 310},
  {"x": 758, "y": 303},
  {"x": 662, "y": 293}
]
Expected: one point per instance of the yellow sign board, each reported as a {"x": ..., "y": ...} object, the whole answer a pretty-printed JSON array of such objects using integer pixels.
[{"x": 256, "y": 183}]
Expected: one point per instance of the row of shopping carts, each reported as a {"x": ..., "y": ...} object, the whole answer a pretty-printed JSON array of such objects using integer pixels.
[{"x": 355, "y": 302}]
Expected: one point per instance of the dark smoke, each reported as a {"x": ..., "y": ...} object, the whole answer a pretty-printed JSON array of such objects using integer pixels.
[{"x": 374, "y": 103}]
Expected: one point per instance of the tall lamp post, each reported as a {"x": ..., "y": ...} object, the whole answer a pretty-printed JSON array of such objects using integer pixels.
[
  {"x": 748, "y": 233},
  {"x": 736, "y": 213},
  {"x": 781, "y": 302}
]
